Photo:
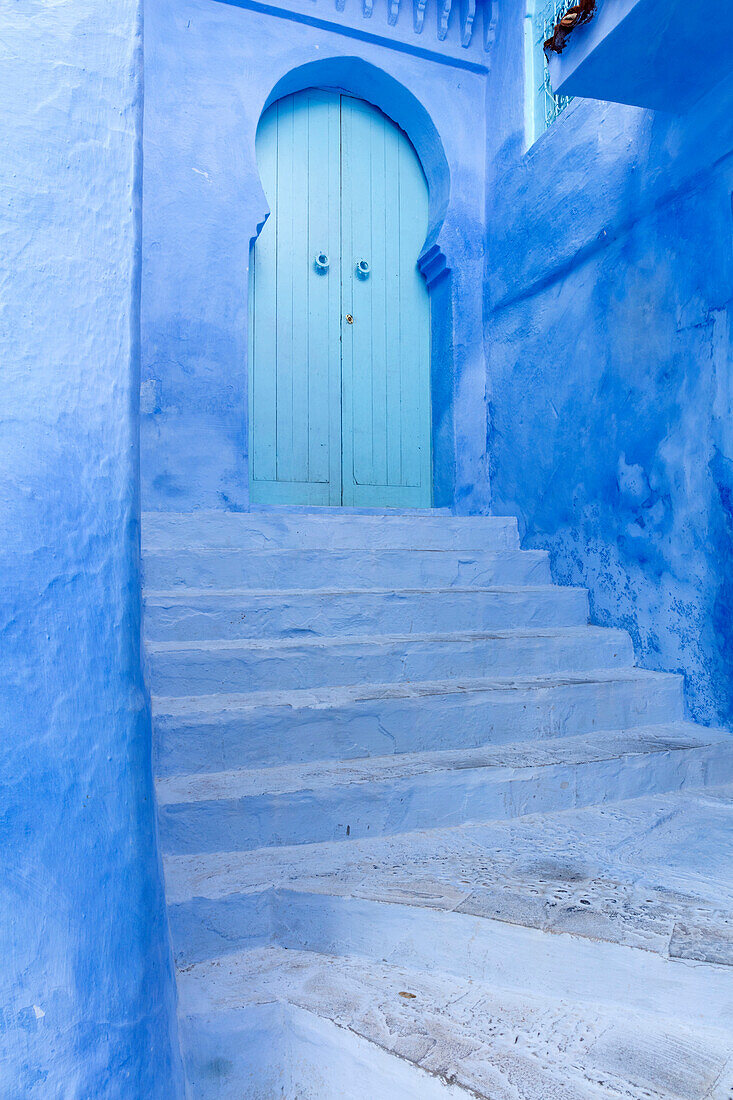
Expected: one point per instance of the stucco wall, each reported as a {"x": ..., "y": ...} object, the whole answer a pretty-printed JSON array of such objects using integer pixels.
[
  {"x": 210, "y": 67},
  {"x": 609, "y": 284},
  {"x": 87, "y": 992}
]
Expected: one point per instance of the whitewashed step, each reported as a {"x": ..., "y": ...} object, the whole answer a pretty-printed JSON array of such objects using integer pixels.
[
  {"x": 222, "y": 732},
  {"x": 273, "y": 1049},
  {"x": 478, "y": 948},
  {"x": 187, "y": 615},
  {"x": 313, "y": 531},
  {"x": 349, "y": 569},
  {"x": 301, "y": 804},
  {"x": 346, "y": 1015},
  {"x": 200, "y": 668},
  {"x": 599, "y": 873}
]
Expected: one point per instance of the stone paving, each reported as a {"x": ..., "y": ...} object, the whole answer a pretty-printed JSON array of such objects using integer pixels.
[{"x": 423, "y": 844}]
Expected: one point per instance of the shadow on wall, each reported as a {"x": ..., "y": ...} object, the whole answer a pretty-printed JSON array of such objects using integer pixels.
[{"x": 608, "y": 330}]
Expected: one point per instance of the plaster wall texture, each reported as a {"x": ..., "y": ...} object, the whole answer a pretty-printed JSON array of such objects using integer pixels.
[
  {"x": 210, "y": 69},
  {"x": 88, "y": 999},
  {"x": 609, "y": 293}
]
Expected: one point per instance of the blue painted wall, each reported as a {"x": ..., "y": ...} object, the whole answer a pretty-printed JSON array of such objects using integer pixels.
[
  {"x": 609, "y": 283},
  {"x": 606, "y": 307},
  {"x": 210, "y": 69},
  {"x": 605, "y": 311},
  {"x": 87, "y": 993}
]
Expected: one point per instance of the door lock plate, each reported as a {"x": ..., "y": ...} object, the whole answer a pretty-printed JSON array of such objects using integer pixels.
[{"x": 349, "y": 319}]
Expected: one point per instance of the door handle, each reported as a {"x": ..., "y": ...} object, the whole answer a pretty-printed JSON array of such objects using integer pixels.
[
  {"x": 321, "y": 263},
  {"x": 362, "y": 269}
]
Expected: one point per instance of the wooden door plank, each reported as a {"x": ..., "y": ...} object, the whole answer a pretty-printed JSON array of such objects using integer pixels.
[
  {"x": 376, "y": 290},
  {"x": 295, "y": 269},
  {"x": 263, "y": 337},
  {"x": 329, "y": 198},
  {"x": 393, "y": 311},
  {"x": 284, "y": 289},
  {"x": 348, "y": 220},
  {"x": 362, "y": 235}
]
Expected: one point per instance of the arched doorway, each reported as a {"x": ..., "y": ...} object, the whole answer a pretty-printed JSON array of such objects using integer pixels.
[{"x": 340, "y": 338}]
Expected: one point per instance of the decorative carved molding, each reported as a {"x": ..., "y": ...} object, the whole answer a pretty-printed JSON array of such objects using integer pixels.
[
  {"x": 433, "y": 265},
  {"x": 491, "y": 18},
  {"x": 444, "y": 10},
  {"x": 462, "y": 30},
  {"x": 468, "y": 14},
  {"x": 419, "y": 15}
]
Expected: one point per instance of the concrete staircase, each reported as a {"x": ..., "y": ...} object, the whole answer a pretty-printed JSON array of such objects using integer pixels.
[{"x": 415, "y": 815}]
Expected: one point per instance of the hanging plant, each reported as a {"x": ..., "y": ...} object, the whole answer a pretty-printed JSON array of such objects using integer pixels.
[{"x": 580, "y": 13}]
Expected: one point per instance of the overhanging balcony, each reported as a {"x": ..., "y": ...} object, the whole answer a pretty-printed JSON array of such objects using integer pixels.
[{"x": 660, "y": 54}]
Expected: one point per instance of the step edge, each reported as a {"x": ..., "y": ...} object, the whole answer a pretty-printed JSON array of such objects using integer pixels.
[
  {"x": 187, "y": 864},
  {"x": 366, "y": 962},
  {"x": 692, "y": 739},
  {"x": 208, "y": 706},
  {"x": 280, "y": 892},
  {"x": 329, "y": 641},
  {"x": 270, "y": 551},
  {"x": 183, "y": 593}
]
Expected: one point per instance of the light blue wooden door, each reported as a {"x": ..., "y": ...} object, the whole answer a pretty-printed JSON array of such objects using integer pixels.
[{"x": 340, "y": 315}]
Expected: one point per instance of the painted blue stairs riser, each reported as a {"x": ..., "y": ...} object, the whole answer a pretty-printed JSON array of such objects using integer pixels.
[
  {"x": 230, "y": 568},
  {"x": 260, "y": 729},
  {"x": 284, "y": 530},
  {"x": 186, "y": 617},
  {"x": 296, "y": 805},
  {"x": 329, "y": 681},
  {"x": 205, "y": 668}
]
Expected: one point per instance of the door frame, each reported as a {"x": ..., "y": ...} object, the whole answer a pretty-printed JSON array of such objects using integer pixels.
[{"x": 355, "y": 77}]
